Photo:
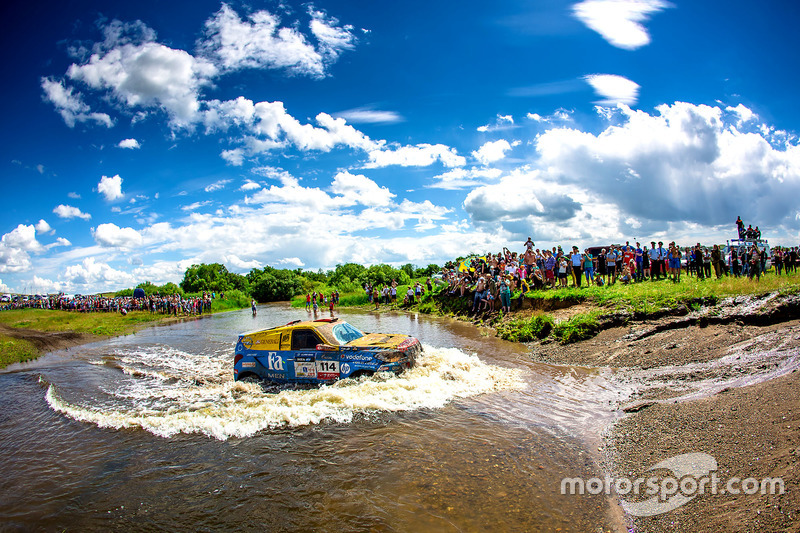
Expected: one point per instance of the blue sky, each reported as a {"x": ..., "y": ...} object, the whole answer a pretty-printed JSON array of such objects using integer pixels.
[{"x": 143, "y": 137}]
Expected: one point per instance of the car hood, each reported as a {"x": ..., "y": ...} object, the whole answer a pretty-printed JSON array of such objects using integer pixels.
[{"x": 379, "y": 340}]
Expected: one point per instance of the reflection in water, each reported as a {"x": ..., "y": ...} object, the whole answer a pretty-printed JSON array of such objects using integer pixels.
[{"x": 118, "y": 435}]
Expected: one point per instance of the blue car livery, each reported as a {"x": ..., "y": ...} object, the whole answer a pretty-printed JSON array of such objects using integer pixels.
[{"x": 320, "y": 351}]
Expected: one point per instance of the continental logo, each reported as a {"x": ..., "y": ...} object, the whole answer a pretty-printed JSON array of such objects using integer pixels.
[{"x": 268, "y": 343}]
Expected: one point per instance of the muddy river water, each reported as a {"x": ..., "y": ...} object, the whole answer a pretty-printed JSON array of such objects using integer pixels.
[{"x": 149, "y": 432}]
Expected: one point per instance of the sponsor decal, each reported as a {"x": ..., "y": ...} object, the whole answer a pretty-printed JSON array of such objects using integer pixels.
[
  {"x": 275, "y": 362},
  {"x": 249, "y": 364},
  {"x": 357, "y": 357},
  {"x": 246, "y": 341},
  {"x": 304, "y": 357},
  {"x": 327, "y": 369},
  {"x": 345, "y": 368},
  {"x": 305, "y": 369},
  {"x": 240, "y": 347}
]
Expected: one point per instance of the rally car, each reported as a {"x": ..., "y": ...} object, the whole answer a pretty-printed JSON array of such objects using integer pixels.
[{"x": 320, "y": 351}]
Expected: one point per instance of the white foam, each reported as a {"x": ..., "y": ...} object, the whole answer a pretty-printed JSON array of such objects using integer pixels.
[{"x": 224, "y": 408}]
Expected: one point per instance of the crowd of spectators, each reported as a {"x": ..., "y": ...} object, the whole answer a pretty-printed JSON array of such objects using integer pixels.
[
  {"x": 490, "y": 279},
  {"x": 167, "y": 305}
]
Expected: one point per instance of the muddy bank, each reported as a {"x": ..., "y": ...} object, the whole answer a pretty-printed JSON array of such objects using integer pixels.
[
  {"x": 677, "y": 336},
  {"x": 721, "y": 380},
  {"x": 49, "y": 341}
]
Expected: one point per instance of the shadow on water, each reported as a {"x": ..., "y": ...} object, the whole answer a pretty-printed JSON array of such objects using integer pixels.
[{"x": 478, "y": 439}]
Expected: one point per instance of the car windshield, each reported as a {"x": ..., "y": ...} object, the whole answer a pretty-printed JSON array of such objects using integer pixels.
[{"x": 345, "y": 333}]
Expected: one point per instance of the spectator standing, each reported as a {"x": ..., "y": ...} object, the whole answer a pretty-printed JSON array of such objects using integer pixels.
[{"x": 577, "y": 260}]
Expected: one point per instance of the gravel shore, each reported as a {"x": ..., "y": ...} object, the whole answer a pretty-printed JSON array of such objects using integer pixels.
[{"x": 726, "y": 388}]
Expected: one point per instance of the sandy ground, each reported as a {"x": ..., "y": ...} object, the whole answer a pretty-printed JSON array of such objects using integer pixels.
[{"x": 728, "y": 390}]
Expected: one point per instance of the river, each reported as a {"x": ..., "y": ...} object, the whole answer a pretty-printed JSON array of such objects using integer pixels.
[{"x": 149, "y": 432}]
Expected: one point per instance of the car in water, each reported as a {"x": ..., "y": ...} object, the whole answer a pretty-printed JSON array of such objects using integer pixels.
[{"x": 320, "y": 351}]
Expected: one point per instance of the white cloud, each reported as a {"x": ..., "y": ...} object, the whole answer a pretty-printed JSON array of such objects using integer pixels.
[
  {"x": 460, "y": 178},
  {"x": 67, "y": 211},
  {"x": 217, "y": 185},
  {"x": 43, "y": 227},
  {"x": 74, "y": 195},
  {"x": 681, "y": 164},
  {"x": 421, "y": 155},
  {"x": 492, "y": 151},
  {"x": 4, "y": 288},
  {"x": 129, "y": 143},
  {"x": 619, "y": 21},
  {"x": 333, "y": 39},
  {"x": 111, "y": 235},
  {"x": 358, "y": 189},
  {"x": 142, "y": 73},
  {"x": 614, "y": 89},
  {"x": 15, "y": 247},
  {"x": 744, "y": 113},
  {"x": 502, "y": 122},
  {"x": 71, "y": 105},
  {"x": 110, "y": 187},
  {"x": 261, "y": 42},
  {"x": 234, "y": 157},
  {"x": 196, "y": 205},
  {"x": 91, "y": 275},
  {"x": 249, "y": 185},
  {"x": 365, "y": 115}
]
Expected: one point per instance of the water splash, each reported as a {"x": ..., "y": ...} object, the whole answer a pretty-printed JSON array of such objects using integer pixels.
[{"x": 166, "y": 392}]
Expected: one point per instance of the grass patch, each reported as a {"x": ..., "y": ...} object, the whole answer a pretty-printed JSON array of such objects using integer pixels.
[
  {"x": 538, "y": 326},
  {"x": 578, "y": 328},
  {"x": 15, "y": 351}
]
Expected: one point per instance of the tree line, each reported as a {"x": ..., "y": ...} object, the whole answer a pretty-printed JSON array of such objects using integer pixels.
[{"x": 270, "y": 284}]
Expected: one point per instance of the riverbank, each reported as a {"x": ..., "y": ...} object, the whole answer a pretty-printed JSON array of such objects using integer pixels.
[
  {"x": 720, "y": 380},
  {"x": 26, "y": 334}
]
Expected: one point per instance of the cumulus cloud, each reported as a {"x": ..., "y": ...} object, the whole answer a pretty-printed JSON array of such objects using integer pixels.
[
  {"x": 111, "y": 235},
  {"x": 619, "y": 21},
  {"x": 43, "y": 227},
  {"x": 140, "y": 72},
  {"x": 68, "y": 211},
  {"x": 261, "y": 42},
  {"x": 70, "y": 105},
  {"x": 421, "y": 155},
  {"x": 110, "y": 187},
  {"x": 359, "y": 189},
  {"x": 91, "y": 275},
  {"x": 682, "y": 163},
  {"x": 16, "y": 247},
  {"x": 614, "y": 89},
  {"x": 129, "y": 143},
  {"x": 249, "y": 185},
  {"x": 492, "y": 151},
  {"x": 743, "y": 113}
]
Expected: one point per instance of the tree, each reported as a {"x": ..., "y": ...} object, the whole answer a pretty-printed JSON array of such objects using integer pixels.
[{"x": 203, "y": 277}]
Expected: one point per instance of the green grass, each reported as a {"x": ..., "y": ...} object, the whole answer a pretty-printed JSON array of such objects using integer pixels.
[
  {"x": 94, "y": 323},
  {"x": 15, "y": 351},
  {"x": 539, "y": 326},
  {"x": 578, "y": 328}
]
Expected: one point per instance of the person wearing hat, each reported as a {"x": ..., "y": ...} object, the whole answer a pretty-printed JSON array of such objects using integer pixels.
[{"x": 576, "y": 259}]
